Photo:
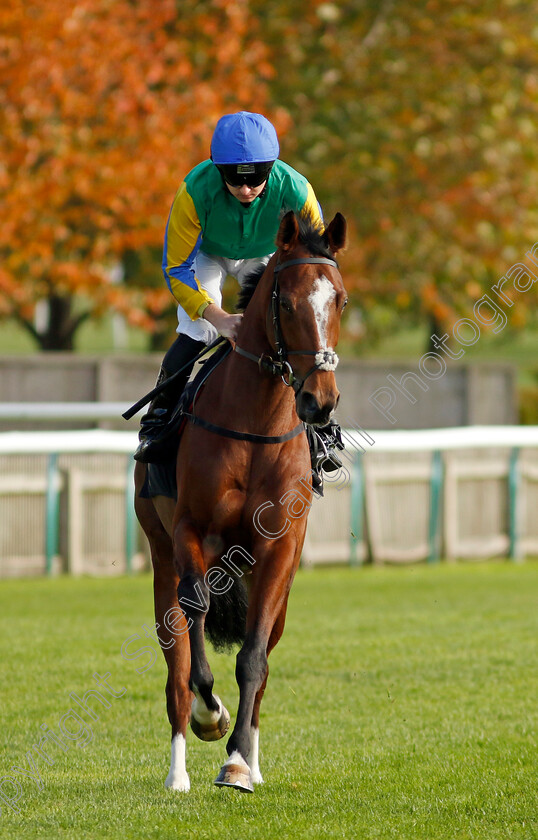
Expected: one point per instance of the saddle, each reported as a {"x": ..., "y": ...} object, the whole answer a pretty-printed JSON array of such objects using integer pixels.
[
  {"x": 186, "y": 401},
  {"x": 161, "y": 471}
]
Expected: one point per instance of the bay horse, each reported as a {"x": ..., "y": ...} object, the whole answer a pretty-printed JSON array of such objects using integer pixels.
[{"x": 243, "y": 495}]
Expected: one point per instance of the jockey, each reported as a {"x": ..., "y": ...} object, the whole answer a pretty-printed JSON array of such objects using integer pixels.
[{"x": 224, "y": 220}]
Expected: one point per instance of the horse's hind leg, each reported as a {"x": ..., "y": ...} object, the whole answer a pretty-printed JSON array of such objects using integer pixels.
[
  {"x": 172, "y": 632},
  {"x": 210, "y": 719},
  {"x": 265, "y": 624}
]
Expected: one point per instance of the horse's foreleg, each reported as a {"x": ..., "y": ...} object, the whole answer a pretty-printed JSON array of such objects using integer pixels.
[
  {"x": 266, "y": 613},
  {"x": 171, "y": 630},
  {"x": 253, "y": 758},
  {"x": 210, "y": 719}
]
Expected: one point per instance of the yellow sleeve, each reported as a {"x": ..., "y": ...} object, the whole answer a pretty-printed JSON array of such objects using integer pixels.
[{"x": 181, "y": 244}]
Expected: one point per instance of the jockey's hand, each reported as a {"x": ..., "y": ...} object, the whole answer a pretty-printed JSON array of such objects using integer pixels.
[{"x": 226, "y": 325}]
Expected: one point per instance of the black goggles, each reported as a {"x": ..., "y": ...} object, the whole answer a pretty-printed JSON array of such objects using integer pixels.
[{"x": 239, "y": 174}]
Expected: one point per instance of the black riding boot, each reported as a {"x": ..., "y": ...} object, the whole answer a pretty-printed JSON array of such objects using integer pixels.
[
  {"x": 323, "y": 441},
  {"x": 154, "y": 435}
]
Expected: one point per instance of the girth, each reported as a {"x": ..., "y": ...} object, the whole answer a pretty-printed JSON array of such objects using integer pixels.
[{"x": 251, "y": 438}]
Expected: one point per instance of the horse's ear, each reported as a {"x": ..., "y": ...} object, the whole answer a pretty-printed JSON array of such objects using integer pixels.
[
  {"x": 336, "y": 233},
  {"x": 288, "y": 232}
]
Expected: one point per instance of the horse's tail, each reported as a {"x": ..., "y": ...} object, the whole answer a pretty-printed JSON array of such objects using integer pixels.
[{"x": 225, "y": 622}]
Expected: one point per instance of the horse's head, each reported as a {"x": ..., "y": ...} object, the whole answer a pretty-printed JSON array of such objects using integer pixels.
[{"x": 307, "y": 303}]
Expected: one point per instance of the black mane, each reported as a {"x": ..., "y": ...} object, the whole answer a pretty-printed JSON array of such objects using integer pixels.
[
  {"x": 248, "y": 288},
  {"x": 313, "y": 240}
]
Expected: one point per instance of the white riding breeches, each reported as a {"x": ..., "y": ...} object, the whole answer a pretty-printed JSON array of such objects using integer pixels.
[{"x": 211, "y": 272}]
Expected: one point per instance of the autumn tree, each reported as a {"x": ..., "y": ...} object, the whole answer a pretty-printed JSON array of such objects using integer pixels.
[
  {"x": 418, "y": 120},
  {"x": 104, "y": 106}
]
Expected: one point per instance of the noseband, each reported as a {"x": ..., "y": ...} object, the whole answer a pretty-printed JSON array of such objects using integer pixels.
[{"x": 323, "y": 359}]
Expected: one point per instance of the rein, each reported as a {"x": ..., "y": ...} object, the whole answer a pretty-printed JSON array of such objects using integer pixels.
[
  {"x": 323, "y": 359},
  {"x": 166, "y": 384}
]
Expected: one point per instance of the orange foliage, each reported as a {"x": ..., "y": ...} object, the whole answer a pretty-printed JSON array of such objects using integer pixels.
[
  {"x": 418, "y": 121},
  {"x": 104, "y": 106}
]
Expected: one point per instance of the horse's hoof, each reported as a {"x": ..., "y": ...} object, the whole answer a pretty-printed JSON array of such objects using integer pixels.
[
  {"x": 256, "y": 777},
  {"x": 209, "y": 726},
  {"x": 179, "y": 781},
  {"x": 235, "y": 775}
]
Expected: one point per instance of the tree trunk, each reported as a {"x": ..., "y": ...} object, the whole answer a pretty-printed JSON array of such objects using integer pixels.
[
  {"x": 61, "y": 325},
  {"x": 436, "y": 328}
]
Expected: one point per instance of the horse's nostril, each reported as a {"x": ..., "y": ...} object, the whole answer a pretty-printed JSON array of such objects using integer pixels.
[
  {"x": 310, "y": 410},
  {"x": 310, "y": 403},
  {"x": 307, "y": 407}
]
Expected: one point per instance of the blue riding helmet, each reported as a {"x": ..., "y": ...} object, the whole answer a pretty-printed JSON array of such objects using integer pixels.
[{"x": 244, "y": 147}]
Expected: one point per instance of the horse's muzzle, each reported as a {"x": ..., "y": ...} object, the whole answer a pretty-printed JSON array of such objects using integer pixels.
[{"x": 312, "y": 412}]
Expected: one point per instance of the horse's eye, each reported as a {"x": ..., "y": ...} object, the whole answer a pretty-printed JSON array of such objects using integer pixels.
[
  {"x": 286, "y": 305},
  {"x": 345, "y": 303}
]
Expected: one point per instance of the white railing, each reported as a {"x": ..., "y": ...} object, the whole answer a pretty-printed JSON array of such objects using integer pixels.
[
  {"x": 64, "y": 411},
  {"x": 66, "y": 498},
  {"x": 82, "y": 441},
  {"x": 402, "y": 496}
]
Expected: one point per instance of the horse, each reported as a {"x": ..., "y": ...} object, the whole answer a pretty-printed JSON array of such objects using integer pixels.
[{"x": 225, "y": 553}]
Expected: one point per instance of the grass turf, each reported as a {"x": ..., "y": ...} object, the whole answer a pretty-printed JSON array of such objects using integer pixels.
[{"x": 401, "y": 704}]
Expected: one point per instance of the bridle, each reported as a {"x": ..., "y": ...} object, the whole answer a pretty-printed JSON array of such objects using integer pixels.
[{"x": 323, "y": 359}]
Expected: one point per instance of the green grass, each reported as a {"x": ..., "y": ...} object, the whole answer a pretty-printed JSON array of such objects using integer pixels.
[
  {"x": 509, "y": 347},
  {"x": 515, "y": 347},
  {"x": 93, "y": 337},
  {"x": 401, "y": 704}
]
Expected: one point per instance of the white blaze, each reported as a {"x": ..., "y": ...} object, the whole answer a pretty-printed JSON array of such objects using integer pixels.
[{"x": 320, "y": 298}]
